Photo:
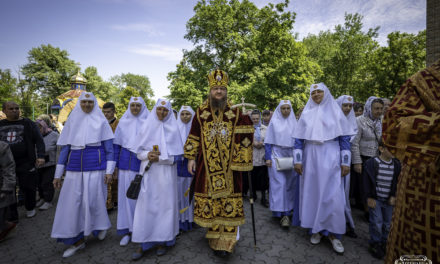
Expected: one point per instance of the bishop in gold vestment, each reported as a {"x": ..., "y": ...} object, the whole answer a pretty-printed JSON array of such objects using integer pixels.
[
  {"x": 411, "y": 130},
  {"x": 219, "y": 148}
]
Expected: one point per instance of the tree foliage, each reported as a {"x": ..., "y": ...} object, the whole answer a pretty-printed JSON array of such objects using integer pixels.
[
  {"x": 353, "y": 62},
  {"x": 100, "y": 88},
  {"x": 141, "y": 83},
  {"x": 8, "y": 84},
  {"x": 343, "y": 54},
  {"x": 255, "y": 46},
  {"x": 392, "y": 65},
  {"x": 48, "y": 70}
]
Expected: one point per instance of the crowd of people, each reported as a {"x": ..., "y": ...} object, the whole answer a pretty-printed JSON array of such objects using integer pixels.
[{"x": 308, "y": 168}]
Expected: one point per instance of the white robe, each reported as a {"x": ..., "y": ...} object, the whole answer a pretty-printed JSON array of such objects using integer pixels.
[
  {"x": 322, "y": 197},
  {"x": 125, "y": 206},
  {"x": 81, "y": 205},
  {"x": 156, "y": 215},
  {"x": 281, "y": 183}
]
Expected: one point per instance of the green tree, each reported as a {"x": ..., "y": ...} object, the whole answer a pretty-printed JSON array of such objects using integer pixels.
[
  {"x": 100, "y": 88},
  {"x": 255, "y": 46},
  {"x": 344, "y": 55},
  {"x": 139, "y": 82},
  {"x": 392, "y": 65},
  {"x": 8, "y": 84},
  {"x": 48, "y": 71}
]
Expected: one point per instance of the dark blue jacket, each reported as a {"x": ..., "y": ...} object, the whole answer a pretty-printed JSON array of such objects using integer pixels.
[
  {"x": 91, "y": 158},
  {"x": 369, "y": 173},
  {"x": 125, "y": 159}
]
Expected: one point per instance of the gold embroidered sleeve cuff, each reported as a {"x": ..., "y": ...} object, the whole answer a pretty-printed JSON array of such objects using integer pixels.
[
  {"x": 242, "y": 156},
  {"x": 191, "y": 147}
]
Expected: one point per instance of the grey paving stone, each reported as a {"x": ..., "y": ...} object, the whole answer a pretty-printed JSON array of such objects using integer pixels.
[{"x": 32, "y": 243}]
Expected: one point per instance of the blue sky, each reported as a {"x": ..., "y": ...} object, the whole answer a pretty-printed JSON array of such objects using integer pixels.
[{"x": 146, "y": 36}]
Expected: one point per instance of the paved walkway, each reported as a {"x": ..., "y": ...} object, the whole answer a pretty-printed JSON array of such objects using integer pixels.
[{"x": 31, "y": 243}]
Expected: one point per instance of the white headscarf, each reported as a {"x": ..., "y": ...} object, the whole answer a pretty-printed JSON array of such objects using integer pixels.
[
  {"x": 185, "y": 128},
  {"x": 324, "y": 121},
  {"x": 85, "y": 128},
  {"x": 367, "y": 108},
  {"x": 377, "y": 123},
  {"x": 129, "y": 125},
  {"x": 163, "y": 133},
  {"x": 280, "y": 129},
  {"x": 347, "y": 99}
]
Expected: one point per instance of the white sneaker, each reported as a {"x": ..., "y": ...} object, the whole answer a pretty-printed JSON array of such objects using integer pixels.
[
  {"x": 337, "y": 245},
  {"x": 125, "y": 240},
  {"x": 285, "y": 221},
  {"x": 102, "y": 234},
  {"x": 73, "y": 249},
  {"x": 31, "y": 213},
  {"x": 40, "y": 203},
  {"x": 45, "y": 206},
  {"x": 316, "y": 238}
]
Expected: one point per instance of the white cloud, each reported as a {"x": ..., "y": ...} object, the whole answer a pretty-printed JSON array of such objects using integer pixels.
[
  {"x": 391, "y": 15},
  {"x": 139, "y": 27},
  {"x": 167, "y": 53}
]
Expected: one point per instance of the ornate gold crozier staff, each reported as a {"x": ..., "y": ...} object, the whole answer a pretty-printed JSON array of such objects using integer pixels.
[{"x": 251, "y": 199}]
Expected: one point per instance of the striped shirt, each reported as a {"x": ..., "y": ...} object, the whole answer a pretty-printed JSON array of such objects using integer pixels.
[{"x": 384, "y": 178}]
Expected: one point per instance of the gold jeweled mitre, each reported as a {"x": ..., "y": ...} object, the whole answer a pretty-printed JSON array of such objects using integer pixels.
[{"x": 218, "y": 78}]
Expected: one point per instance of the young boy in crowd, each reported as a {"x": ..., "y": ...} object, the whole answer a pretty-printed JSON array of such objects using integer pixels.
[{"x": 380, "y": 176}]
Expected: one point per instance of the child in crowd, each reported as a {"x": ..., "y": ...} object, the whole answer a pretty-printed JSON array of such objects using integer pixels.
[{"x": 380, "y": 176}]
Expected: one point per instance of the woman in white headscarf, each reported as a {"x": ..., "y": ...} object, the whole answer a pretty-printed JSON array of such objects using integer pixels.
[
  {"x": 87, "y": 156},
  {"x": 322, "y": 157},
  {"x": 346, "y": 104},
  {"x": 156, "y": 220},
  {"x": 127, "y": 162},
  {"x": 279, "y": 148},
  {"x": 186, "y": 210}
]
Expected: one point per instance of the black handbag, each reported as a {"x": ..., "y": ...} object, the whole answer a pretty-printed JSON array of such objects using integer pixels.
[{"x": 135, "y": 185}]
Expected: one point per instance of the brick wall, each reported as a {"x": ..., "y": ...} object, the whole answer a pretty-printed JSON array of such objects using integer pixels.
[{"x": 432, "y": 31}]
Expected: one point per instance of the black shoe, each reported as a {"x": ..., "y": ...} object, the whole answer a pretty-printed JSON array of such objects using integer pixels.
[
  {"x": 264, "y": 203},
  {"x": 376, "y": 251},
  {"x": 350, "y": 233},
  {"x": 221, "y": 253},
  {"x": 13, "y": 220}
]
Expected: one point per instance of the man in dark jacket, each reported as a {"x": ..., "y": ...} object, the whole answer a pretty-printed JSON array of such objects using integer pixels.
[
  {"x": 28, "y": 149},
  {"x": 380, "y": 176}
]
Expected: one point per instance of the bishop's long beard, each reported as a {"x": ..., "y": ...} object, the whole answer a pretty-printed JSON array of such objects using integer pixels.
[{"x": 218, "y": 104}]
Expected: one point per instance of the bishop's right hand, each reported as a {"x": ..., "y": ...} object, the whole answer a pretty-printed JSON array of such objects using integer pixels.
[{"x": 192, "y": 167}]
